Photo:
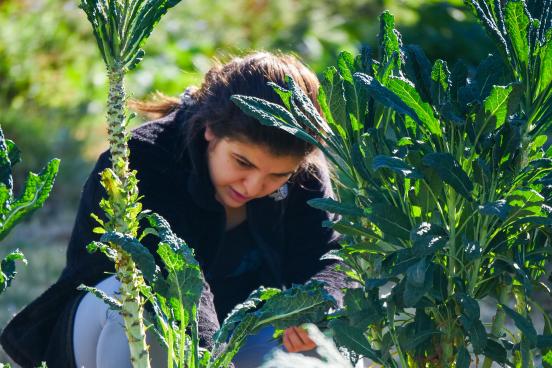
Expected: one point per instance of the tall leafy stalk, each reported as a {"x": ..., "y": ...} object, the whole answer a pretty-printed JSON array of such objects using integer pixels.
[
  {"x": 443, "y": 177},
  {"x": 120, "y": 28}
]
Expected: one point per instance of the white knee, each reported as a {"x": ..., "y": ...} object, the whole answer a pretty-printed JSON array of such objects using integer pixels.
[
  {"x": 99, "y": 338},
  {"x": 91, "y": 318}
]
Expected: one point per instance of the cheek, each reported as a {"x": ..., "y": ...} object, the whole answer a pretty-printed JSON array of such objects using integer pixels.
[
  {"x": 224, "y": 175},
  {"x": 274, "y": 185},
  {"x": 220, "y": 169}
]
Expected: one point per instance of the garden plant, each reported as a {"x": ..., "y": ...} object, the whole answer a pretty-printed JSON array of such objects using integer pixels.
[
  {"x": 14, "y": 209},
  {"x": 173, "y": 290},
  {"x": 443, "y": 177}
]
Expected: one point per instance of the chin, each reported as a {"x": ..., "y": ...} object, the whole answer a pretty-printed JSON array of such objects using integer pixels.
[
  {"x": 234, "y": 204},
  {"x": 228, "y": 202}
]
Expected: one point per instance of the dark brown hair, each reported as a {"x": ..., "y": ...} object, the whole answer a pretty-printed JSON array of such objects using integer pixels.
[{"x": 248, "y": 76}]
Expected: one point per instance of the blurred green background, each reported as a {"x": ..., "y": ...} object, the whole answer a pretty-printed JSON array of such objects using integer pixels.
[{"x": 53, "y": 86}]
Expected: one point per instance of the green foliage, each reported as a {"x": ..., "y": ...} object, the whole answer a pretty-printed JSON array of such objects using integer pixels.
[
  {"x": 36, "y": 191},
  {"x": 121, "y": 28},
  {"x": 7, "y": 268},
  {"x": 14, "y": 209},
  {"x": 175, "y": 299},
  {"x": 523, "y": 35},
  {"x": 174, "y": 289},
  {"x": 172, "y": 292},
  {"x": 48, "y": 80},
  {"x": 175, "y": 295},
  {"x": 444, "y": 191},
  {"x": 307, "y": 303}
]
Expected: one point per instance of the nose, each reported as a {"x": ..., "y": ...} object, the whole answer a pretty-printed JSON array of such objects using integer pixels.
[{"x": 254, "y": 185}]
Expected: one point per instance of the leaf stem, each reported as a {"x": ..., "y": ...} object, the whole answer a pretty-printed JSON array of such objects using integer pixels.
[
  {"x": 451, "y": 208},
  {"x": 499, "y": 319}
]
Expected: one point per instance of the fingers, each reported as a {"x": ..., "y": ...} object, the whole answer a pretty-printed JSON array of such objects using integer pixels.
[
  {"x": 297, "y": 340},
  {"x": 294, "y": 341},
  {"x": 287, "y": 343},
  {"x": 308, "y": 344}
]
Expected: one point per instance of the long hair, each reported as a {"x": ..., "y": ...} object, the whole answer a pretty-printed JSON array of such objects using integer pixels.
[{"x": 249, "y": 76}]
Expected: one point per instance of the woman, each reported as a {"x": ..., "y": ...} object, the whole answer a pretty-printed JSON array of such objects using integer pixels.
[{"x": 235, "y": 190}]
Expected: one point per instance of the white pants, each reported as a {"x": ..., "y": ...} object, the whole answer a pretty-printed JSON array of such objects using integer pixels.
[{"x": 99, "y": 339}]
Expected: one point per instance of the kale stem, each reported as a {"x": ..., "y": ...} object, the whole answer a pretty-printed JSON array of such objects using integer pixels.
[
  {"x": 441, "y": 212},
  {"x": 448, "y": 347},
  {"x": 521, "y": 304},
  {"x": 393, "y": 334},
  {"x": 170, "y": 350},
  {"x": 451, "y": 204},
  {"x": 131, "y": 279},
  {"x": 499, "y": 319},
  {"x": 195, "y": 339}
]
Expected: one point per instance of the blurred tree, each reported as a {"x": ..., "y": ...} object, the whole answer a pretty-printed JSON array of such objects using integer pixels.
[
  {"x": 445, "y": 30},
  {"x": 47, "y": 85}
]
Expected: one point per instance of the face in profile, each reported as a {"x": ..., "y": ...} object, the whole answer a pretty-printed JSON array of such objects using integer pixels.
[{"x": 241, "y": 171}]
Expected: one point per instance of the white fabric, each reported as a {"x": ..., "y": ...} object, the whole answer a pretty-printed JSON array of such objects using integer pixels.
[{"x": 99, "y": 339}]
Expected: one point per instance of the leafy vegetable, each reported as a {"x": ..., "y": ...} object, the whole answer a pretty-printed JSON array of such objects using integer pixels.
[
  {"x": 14, "y": 209},
  {"x": 300, "y": 304},
  {"x": 443, "y": 183}
]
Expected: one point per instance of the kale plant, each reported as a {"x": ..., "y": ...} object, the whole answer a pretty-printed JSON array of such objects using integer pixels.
[
  {"x": 174, "y": 295},
  {"x": 443, "y": 177},
  {"x": 120, "y": 28},
  {"x": 174, "y": 291},
  {"x": 14, "y": 209}
]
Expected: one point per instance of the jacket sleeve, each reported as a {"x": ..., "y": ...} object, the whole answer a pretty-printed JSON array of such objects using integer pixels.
[
  {"x": 78, "y": 258},
  {"x": 307, "y": 240}
]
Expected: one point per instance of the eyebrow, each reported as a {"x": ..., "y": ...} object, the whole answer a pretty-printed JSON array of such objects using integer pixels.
[{"x": 253, "y": 165}]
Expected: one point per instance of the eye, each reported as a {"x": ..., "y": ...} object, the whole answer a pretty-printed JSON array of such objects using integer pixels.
[
  {"x": 278, "y": 177},
  {"x": 243, "y": 163}
]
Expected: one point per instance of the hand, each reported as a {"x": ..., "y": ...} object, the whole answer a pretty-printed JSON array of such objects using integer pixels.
[{"x": 296, "y": 340}]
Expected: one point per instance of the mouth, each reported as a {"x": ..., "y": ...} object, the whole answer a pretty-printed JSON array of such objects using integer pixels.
[{"x": 237, "y": 196}]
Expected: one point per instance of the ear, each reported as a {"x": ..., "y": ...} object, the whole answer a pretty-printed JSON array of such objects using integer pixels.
[{"x": 209, "y": 135}]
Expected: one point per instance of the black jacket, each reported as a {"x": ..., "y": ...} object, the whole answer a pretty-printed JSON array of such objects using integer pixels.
[{"x": 174, "y": 181}]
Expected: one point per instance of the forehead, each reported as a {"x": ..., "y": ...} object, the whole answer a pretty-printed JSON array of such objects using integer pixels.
[{"x": 262, "y": 157}]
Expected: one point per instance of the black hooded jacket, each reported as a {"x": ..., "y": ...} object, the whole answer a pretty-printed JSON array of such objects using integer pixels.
[{"x": 174, "y": 182}]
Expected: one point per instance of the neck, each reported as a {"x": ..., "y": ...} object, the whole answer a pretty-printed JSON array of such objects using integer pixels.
[{"x": 235, "y": 216}]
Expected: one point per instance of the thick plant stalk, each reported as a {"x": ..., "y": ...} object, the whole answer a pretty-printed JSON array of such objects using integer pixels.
[
  {"x": 130, "y": 278},
  {"x": 499, "y": 319},
  {"x": 120, "y": 28},
  {"x": 521, "y": 307},
  {"x": 132, "y": 311},
  {"x": 116, "y": 119}
]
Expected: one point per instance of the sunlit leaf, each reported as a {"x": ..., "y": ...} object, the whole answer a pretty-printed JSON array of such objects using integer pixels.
[
  {"x": 36, "y": 191},
  {"x": 395, "y": 164}
]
